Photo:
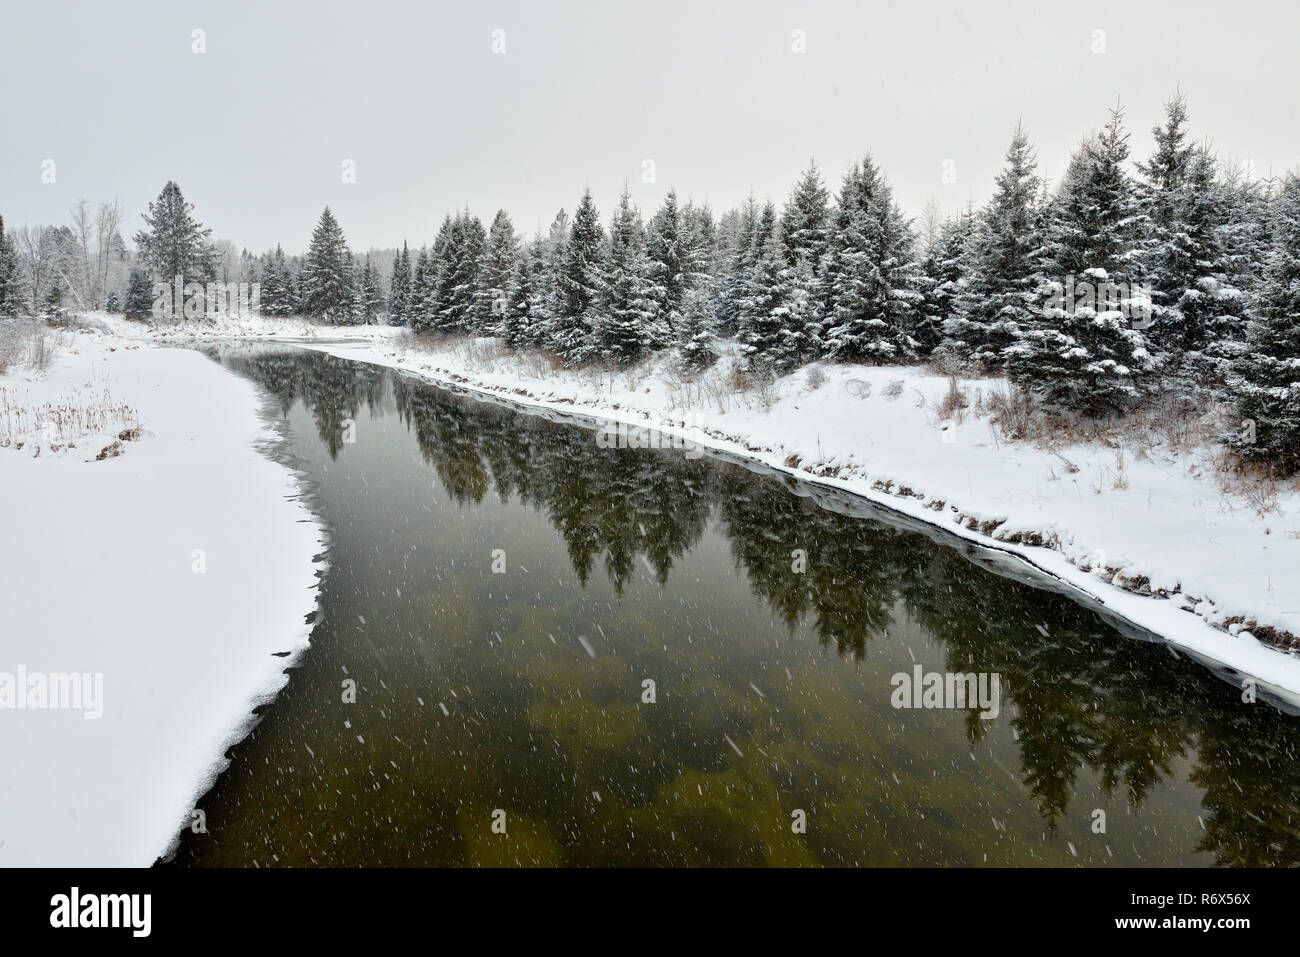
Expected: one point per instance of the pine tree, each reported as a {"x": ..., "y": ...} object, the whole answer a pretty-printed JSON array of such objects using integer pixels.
[
  {"x": 497, "y": 270},
  {"x": 868, "y": 279},
  {"x": 1082, "y": 354},
  {"x": 997, "y": 296},
  {"x": 326, "y": 274},
  {"x": 1267, "y": 375},
  {"x": 626, "y": 321},
  {"x": 174, "y": 243},
  {"x": 399, "y": 290},
  {"x": 417, "y": 296},
  {"x": 579, "y": 283},
  {"x": 139, "y": 295}
]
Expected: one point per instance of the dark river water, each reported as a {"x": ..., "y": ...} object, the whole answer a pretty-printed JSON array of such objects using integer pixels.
[{"x": 532, "y": 650}]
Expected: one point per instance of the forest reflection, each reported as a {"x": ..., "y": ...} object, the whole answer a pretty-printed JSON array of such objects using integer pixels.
[{"x": 1079, "y": 696}]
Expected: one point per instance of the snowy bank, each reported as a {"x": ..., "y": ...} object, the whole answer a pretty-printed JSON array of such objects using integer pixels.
[
  {"x": 1151, "y": 533},
  {"x": 171, "y": 572}
]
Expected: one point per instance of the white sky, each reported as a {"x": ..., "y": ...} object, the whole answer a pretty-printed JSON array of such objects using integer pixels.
[{"x": 255, "y": 130}]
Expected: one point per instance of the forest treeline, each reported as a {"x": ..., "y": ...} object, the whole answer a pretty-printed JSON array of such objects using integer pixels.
[{"x": 1122, "y": 281}]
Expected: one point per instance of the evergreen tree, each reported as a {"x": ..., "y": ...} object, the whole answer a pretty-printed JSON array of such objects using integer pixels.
[
  {"x": 139, "y": 295},
  {"x": 1202, "y": 327},
  {"x": 9, "y": 275},
  {"x": 276, "y": 296},
  {"x": 367, "y": 302},
  {"x": 696, "y": 348},
  {"x": 1081, "y": 353},
  {"x": 579, "y": 283},
  {"x": 628, "y": 314},
  {"x": 806, "y": 219},
  {"x": 435, "y": 288},
  {"x": 174, "y": 243},
  {"x": 420, "y": 298},
  {"x": 1267, "y": 375},
  {"x": 998, "y": 295},
  {"x": 460, "y": 305},
  {"x": 497, "y": 271},
  {"x": 524, "y": 316},
  {"x": 868, "y": 279},
  {"x": 399, "y": 290},
  {"x": 671, "y": 259},
  {"x": 773, "y": 321},
  {"x": 326, "y": 274},
  {"x": 741, "y": 255},
  {"x": 943, "y": 274}
]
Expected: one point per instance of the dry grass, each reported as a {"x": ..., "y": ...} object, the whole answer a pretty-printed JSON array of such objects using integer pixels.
[
  {"x": 64, "y": 422},
  {"x": 27, "y": 344}
]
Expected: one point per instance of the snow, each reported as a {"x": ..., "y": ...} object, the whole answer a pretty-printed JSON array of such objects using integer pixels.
[
  {"x": 1210, "y": 558},
  {"x": 97, "y": 577}
]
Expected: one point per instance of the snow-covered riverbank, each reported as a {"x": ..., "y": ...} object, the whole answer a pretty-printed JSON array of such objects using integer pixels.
[
  {"x": 177, "y": 570},
  {"x": 1151, "y": 531}
]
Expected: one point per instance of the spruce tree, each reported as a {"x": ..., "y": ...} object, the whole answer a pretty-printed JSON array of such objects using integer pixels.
[
  {"x": 496, "y": 272},
  {"x": 326, "y": 273},
  {"x": 579, "y": 283},
  {"x": 276, "y": 297},
  {"x": 367, "y": 302},
  {"x": 943, "y": 274},
  {"x": 997, "y": 296},
  {"x": 671, "y": 258},
  {"x": 9, "y": 274},
  {"x": 139, "y": 295},
  {"x": 399, "y": 289},
  {"x": 436, "y": 292},
  {"x": 1201, "y": 329},
  {"x": 741, "y": 256},
  {"x": 1082, "y": 353},
  {"x": 1266, "y": 376},
  {"x": 868, "y": 279},
  {"x": 625, "y": 323},
  {"x": 416, "y": 308},
  {"x": 696, "y": 349},
  {"x": 806, "y": 219},
  {"x": 519, "y": 325},
  {"x": 773, "y": 322},
  {"x": 174, "y": 243}
]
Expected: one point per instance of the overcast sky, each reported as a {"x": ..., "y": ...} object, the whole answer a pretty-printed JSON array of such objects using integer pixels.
[{"x": 256, "y": 129}]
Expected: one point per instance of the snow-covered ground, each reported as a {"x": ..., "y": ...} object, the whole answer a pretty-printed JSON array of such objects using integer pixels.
[
  {"x": 171, "y": 574},
  {"x": 1154, "y": 533}
]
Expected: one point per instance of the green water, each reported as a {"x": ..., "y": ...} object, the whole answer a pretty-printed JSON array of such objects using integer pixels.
[{"x": 518, "y": 699}]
